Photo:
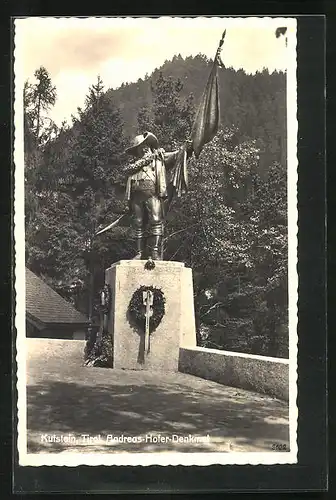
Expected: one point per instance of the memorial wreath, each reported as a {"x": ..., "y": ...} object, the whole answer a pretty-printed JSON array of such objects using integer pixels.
[{"x": 137, "y": 308}]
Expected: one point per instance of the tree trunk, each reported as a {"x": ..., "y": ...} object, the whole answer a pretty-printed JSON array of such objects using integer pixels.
[{"x": 38, "y": 118}]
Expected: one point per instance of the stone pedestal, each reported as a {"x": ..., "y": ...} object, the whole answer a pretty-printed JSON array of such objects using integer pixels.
[{"x": 177, "y": 327}]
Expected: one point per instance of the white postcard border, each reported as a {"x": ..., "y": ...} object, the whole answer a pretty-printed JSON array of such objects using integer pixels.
[{"x": 166, "y": 458}]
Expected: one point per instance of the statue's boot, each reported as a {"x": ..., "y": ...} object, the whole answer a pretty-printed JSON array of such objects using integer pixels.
[
  {"x": 154, "y": 247},
  {"x": 140, "y": 246}
]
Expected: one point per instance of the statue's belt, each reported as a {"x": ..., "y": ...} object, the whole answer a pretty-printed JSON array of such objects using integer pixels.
[{"x": 140, "y": 184}]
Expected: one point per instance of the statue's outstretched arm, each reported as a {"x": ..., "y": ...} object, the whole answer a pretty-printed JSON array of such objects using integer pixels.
[{"x": 171, "y": 157}]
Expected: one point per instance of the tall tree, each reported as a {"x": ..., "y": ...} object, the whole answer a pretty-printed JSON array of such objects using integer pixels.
[
  {"x": 38, "y": 99},
  {"x": 231, "y": 228},
  {"x": 171, "y": 115},
  {"x": 75, "y": 185},
  {"x": 94, "y": 167}
]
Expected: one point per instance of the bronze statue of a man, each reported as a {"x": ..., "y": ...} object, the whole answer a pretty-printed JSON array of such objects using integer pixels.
[{"x": 147, "y": 191}]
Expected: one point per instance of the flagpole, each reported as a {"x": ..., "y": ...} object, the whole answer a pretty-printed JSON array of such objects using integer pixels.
[
  {"x": 219, "y": 50},
  {"x": 188, "y": 147}
]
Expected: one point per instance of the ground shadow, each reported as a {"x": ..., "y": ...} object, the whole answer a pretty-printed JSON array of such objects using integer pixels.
[{"x": 142, "y": 406}]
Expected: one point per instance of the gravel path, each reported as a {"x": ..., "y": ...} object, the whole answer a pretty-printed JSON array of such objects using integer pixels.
[{"x": 72, "y": 407}]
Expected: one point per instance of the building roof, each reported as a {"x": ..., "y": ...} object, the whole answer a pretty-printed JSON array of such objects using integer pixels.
[{"x": 47, "y": 306}]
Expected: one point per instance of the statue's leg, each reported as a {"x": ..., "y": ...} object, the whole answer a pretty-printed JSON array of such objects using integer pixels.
[
  {"x": 138, "y": 213},
  {"x": 155, "y": 220}
]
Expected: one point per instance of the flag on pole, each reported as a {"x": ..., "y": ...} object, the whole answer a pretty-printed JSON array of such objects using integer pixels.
[
  {"x": 204, "y": 129},
  {"x": 207, "y": 117}
]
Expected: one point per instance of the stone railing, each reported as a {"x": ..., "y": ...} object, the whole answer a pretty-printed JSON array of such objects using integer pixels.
[{"x": 261, "y": 374}]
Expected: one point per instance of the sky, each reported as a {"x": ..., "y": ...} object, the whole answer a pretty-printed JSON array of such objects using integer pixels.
[{"x": 120, "y": 50}]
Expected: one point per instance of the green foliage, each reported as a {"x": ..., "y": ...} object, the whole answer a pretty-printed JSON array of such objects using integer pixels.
[
  {"x": 171, "y": 116},
  {"x": 72, "y": 182},
  {"x": 100, "y": 354},
  {"x": 231, "y": 229},
  {"x": 95, "y": 161}
]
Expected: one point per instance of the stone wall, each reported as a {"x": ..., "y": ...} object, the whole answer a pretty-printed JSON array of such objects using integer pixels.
[{"x": 246, "y": 371}]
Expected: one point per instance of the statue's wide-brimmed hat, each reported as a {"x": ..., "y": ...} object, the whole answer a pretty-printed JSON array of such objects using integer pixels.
[{"x": 147, "y": 138}]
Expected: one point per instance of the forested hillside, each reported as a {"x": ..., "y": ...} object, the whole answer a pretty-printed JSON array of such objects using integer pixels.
[
  {"x": 255, "y": 104},
  {"x": 231, "y": 227}
]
